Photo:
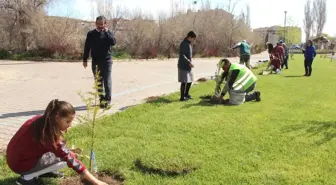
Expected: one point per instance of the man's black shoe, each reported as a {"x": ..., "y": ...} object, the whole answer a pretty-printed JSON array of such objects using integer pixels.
[
  {"x": 102, "y": 105},
  {"x": 105, "y": 104},
  {"x": 258, "y": 98}
]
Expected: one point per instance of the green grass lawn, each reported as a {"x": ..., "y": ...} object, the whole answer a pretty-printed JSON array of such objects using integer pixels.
[{"x": 287, "y": 138}]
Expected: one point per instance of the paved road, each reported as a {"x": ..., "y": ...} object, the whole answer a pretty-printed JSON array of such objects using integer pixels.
[{"x": 27, "y": 87}]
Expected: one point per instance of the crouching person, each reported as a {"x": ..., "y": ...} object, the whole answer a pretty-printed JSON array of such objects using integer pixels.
[
  {"x": 239, "y": 80},
  {"x": 275, "y": 64},
  {"x": 275, "y": 60},
  {"x": 38, "y": 148}
]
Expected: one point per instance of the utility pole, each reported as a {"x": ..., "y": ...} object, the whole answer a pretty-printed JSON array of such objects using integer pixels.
[
  {"x": 285, "y": 37},
  {"x": 195, "y": 10},
  {"x": 195, "y": 6}
]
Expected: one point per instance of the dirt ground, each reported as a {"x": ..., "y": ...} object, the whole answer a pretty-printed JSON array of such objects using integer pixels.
[{"x": 105, "y": 177}]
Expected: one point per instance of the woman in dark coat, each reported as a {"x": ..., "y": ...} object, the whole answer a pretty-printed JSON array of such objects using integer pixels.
[{"x": 309, "y": 55}]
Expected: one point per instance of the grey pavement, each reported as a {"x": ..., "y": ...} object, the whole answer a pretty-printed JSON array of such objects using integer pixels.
[{"x": 27, "y": 87}]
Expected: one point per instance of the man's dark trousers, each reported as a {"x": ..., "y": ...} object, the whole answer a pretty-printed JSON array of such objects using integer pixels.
[
  {"x": 285, "y": 63},
  {"x": 105, "y": 70},
  {"x": 251, "y": 96}
]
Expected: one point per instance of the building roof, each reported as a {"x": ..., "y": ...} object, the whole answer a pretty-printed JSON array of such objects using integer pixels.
[{"x": 321, "y": 38}]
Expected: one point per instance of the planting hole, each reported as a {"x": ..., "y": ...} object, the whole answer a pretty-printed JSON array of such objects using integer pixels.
[{"x": 111, "y": 178}]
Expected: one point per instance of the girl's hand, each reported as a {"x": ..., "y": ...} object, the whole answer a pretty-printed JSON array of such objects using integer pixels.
[
  {"x": 88, "y": 176},
  {"x": 100, "y": 183}
]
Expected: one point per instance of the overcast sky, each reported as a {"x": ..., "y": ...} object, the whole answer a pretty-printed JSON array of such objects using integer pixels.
[{"x": 263, "y": 12}]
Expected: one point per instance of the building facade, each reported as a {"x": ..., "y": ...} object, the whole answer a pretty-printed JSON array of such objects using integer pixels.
[{"x": 290, "y": 35}]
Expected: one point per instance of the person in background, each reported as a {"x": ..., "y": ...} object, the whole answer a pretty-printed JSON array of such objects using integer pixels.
[
  {"x": 245, "y": 53},
  {"x": 38, "y": 148},
  {"x": 280, "y": 50},
  {"x": 309, "y": 55},
  {"x": 99, "y": 42},
  {"x": 285, "y": 62},
  {"x": 275, "y": 58},
  {"x": 269, "y": 47},
  {"x": 184, "y": 65}
]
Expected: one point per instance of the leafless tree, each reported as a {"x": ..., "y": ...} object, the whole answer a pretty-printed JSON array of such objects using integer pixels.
[
  {"x": 114, "y": 14},
  {"x": 234, "y": 22},
  {"x": 177, "y": 7},
  {"x": 320, "y": 15},
  {"x": 138, "y": 33},
  {"x": 248, "y": 16},
  {"x": 308, "y": 20},
  {"x": 162, "y": 37},
  {"x": 22, "y": 18},
  {"x": 206, "y": 5},
  {"x": 245, "y": 15}
]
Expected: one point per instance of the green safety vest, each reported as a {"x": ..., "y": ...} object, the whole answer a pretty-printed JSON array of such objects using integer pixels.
[{"x": 244, "y": 79}]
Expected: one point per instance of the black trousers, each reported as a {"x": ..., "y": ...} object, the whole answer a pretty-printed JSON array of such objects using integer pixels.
[
  {"x": 285, "y": 63},
  {"x": 250, "y": 96},
  {"x": 308, "y": 66},
  {"x": 184, "y": 90},
  {"x": 105, "y": 70}
]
